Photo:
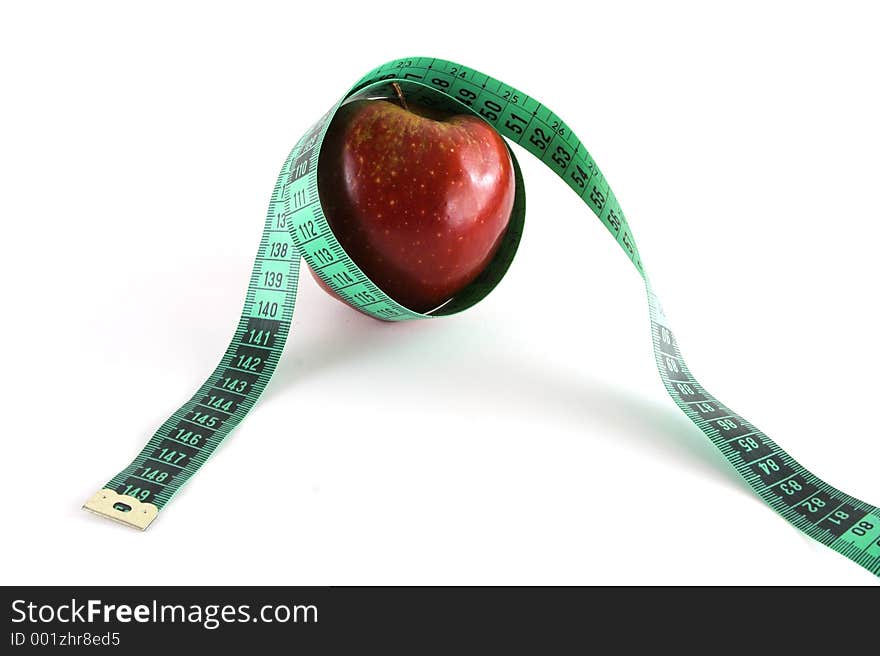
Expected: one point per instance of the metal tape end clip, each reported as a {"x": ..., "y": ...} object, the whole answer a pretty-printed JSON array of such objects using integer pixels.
[{"x": 122, "y": 508}]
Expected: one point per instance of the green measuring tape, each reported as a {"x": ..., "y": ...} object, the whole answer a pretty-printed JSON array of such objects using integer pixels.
[{"x": 296, "y": 228}]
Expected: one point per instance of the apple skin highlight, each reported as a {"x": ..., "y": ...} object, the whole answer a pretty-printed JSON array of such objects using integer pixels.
[{"x": 419, "y": 200}]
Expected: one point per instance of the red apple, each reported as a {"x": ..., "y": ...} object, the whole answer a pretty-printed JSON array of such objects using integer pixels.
[{"x": 420, "y": 200}]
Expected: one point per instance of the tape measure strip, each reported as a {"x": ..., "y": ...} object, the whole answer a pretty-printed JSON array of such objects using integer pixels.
[
  {"x": 295, "y": 226},
  {"x": 183, "y": 443}
]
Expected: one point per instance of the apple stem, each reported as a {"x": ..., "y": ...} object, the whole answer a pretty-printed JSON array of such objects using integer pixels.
[{"x": 399, "y": 92}]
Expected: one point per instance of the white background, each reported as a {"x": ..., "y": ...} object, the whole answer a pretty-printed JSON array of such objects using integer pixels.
[{"x": 138, "y": 148}]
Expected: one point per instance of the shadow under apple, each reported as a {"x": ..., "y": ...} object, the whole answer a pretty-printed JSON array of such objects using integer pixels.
[{"x": 336, "y": 336}]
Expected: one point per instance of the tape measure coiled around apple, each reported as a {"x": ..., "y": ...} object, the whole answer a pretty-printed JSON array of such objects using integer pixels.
[{"x": 296, "y": 229}]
